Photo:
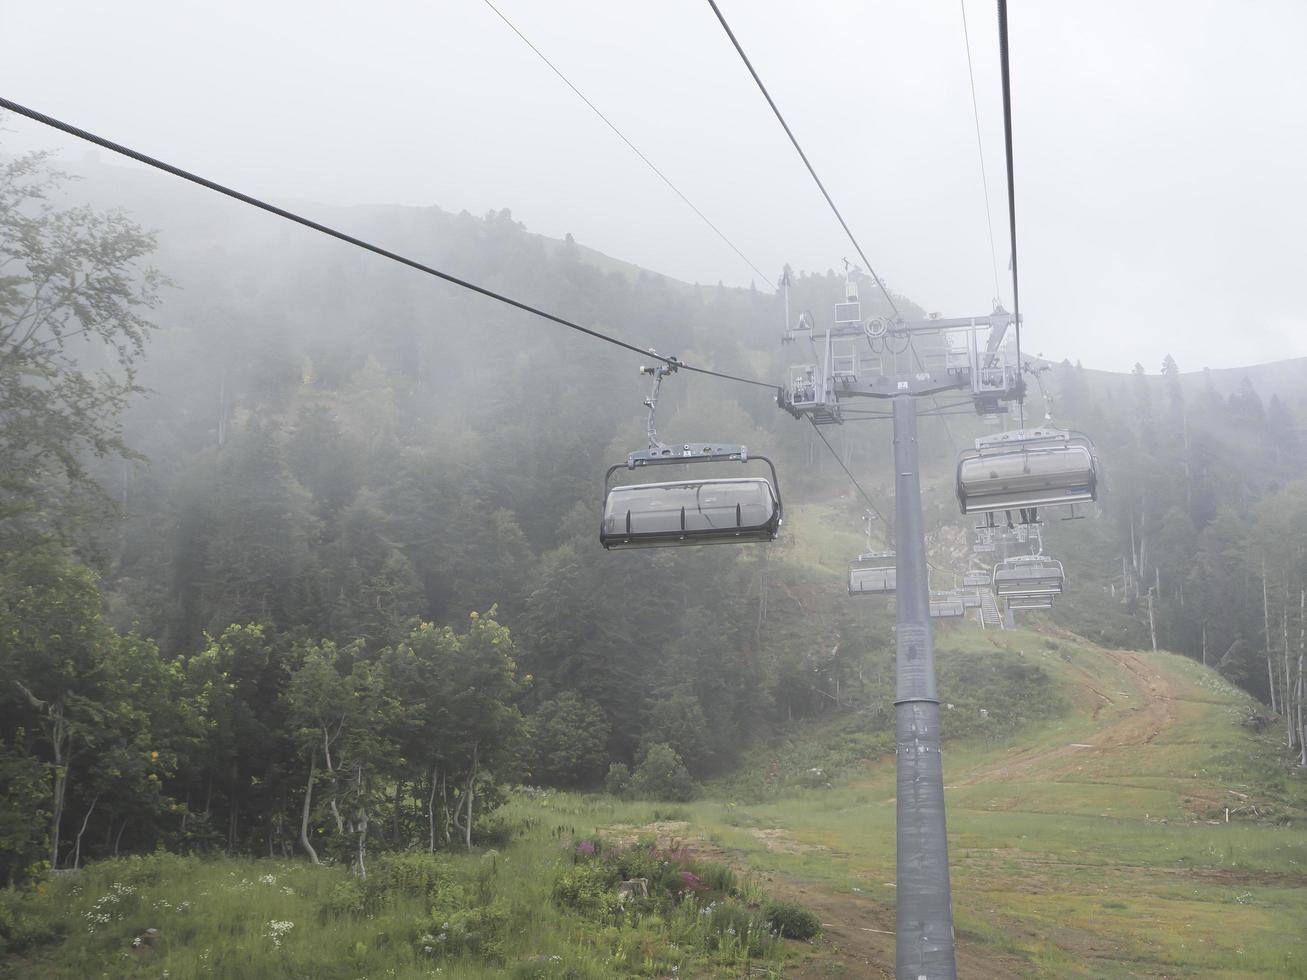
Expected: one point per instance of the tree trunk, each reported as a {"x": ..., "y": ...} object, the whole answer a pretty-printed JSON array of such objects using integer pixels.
[
  {"x": 361, "y": 824},
  {"x": 431, "y": 813},
  {"x": 1288, "y": 675},
  {"x": 59, "y": 741},
  {"x": 444, "y": 802},
  {"x": 394, "y": 817},
  {"x": 232, "y": 817},
  {"x": 1152, "y": 626},
  {"x": 77, "y": 847},
  {"x": 308, "y": 806},
  {"x": 119, "y": 839},
  {"x": 471, "y": 791},
  {"x": 1266, "y": 624},
  {"x": 1302, "y": 648},
  {"x": 335, "y": 782}
]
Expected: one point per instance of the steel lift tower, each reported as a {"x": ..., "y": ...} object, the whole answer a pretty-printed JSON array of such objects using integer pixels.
[{"x": 901, "y": 361}]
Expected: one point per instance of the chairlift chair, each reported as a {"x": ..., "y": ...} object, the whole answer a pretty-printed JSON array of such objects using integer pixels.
[
  {"x": 688, "y": 511},
  {"x": 872, "y": 574},
  {"x": 1025, "y": 469},
  {"x": 946, "y": 604},
  {"x": 1031, "y": 602},
  {"x": 1027, "y": 576}
]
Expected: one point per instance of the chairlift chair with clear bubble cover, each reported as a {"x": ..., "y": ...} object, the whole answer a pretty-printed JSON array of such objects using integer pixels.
[
  {"x": 688, "y": 511},
  {"x": 1028, "y": 576},
  {"x": 1025, "y": 469},
  {"x": 873, "y": 574}
]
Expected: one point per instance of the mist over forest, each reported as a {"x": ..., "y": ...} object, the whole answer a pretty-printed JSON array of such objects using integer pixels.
[{"x": 301, "y": 560}]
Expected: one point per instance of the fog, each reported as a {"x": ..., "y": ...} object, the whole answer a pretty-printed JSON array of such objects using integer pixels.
[{"x": 1159, "y": 148}]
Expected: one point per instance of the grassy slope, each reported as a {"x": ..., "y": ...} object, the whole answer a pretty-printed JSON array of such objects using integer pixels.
[{"x": 1094, "y": 845}]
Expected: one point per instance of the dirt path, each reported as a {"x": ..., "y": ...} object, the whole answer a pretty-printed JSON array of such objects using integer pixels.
[
  {"x": 1153, "y": 710},
  {"x": 857, "y": 938}
]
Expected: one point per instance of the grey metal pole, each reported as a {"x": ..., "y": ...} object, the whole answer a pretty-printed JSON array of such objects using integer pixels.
[{"x": 924, "y": 920}]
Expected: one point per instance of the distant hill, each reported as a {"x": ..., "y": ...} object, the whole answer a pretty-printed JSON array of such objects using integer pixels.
[
  {"x": 1287, "y": 379},
  {"x": 181, "y": 210}
]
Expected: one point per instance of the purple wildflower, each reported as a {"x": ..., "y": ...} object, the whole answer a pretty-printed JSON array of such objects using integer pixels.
[{"x": 585, "y": 849}]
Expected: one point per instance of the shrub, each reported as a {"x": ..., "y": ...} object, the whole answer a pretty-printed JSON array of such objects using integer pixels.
[
  {"x": 589, "y": 888},
  {"x": 462, "y": 931},
  {"x": 418, "y": 874},
  {"x": 718, "y": 877},
  {"x": 570, "y": 737},
  {"x": 662, "y": 776},
  {"x": 792, "y": 921},
  {"x": 27, "y": 921},
  {"x": 732, "y": 925},
  {"x": 346, "y": 898},
  {"x": 496, "y": 829},
  {"x": 618, "y": 780}
]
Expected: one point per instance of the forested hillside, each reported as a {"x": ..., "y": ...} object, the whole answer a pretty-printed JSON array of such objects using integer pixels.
[{"x": 340, "y": 580}]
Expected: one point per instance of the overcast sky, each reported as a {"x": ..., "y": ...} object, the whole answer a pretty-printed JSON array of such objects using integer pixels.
[{"x": 1161, "y": 147}]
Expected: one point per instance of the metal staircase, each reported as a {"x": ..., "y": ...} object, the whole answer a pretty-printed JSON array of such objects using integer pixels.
[{"x": 989, "y": 613}]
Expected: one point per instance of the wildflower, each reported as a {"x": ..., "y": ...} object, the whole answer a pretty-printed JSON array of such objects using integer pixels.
[
  {"x": 585, "y": 849},
  {"x": 269, "y": 879},
  {"x": 277, "y": 929}
]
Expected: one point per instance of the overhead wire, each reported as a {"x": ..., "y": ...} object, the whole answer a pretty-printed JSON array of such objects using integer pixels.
[
  {"x": 803, "y": 156},
  {"x": 980, "y": 148},
  {"x": 885, "y": 522},
  {"x": 1011, "y": 189},
  {"x": 367, "y": 246},
  {"x": 634, "y": 149},
  {"x": 739, "y": 49}
]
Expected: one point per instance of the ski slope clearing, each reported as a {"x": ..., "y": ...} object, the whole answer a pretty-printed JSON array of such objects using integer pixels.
[{"x": 1096, "y": 845}]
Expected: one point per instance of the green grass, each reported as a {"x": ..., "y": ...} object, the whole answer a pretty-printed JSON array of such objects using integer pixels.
[
  {"x": 489, "y": 914},
  {"x": 1108, "y": 861}
]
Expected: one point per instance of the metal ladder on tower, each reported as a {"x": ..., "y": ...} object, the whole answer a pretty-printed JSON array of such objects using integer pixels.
[{"x": 989, "y": 613}]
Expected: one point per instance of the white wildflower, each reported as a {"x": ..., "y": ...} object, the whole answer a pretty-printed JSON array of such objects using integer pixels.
[{"x": 277, "y": 929}]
